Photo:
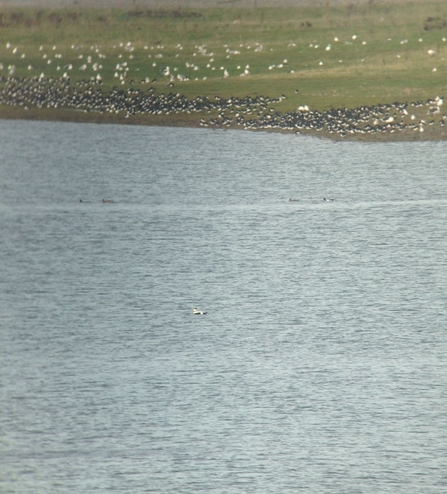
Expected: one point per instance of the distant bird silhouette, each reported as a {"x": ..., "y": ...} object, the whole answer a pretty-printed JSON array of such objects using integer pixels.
[
  {"x": 198, "y": 312},
  {"x": 327, "y": 199}
]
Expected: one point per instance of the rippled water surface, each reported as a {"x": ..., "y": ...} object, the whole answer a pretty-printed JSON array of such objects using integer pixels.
[{"x": 321, "y": 364}]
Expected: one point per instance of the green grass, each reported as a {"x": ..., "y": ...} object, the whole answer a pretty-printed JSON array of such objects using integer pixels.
[{"x": 386, "y": 61}]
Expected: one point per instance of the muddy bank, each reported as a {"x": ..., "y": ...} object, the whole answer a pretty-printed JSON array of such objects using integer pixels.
[{"x": 58, "y": 99}]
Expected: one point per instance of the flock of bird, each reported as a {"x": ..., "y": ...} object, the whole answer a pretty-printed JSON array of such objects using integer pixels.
[
  {"x": 373, "y": 119},
  {"x": 130, "y": 97},
  {"x": 202, "y": 62},
  {"x": 251, "y": 113}
]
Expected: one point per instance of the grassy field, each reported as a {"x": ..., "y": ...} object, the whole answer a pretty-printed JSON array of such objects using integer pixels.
[{"x": 323, "y": 57}]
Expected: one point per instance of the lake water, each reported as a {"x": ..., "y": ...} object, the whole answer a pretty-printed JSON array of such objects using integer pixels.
[{"x": 321, "y": 364}]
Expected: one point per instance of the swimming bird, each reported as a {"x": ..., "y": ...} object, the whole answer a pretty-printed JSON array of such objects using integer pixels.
[
  {"x": 198, "y": 312},
  {"x": 108, "y": 201},
  {"x": 327, "y": 199}
]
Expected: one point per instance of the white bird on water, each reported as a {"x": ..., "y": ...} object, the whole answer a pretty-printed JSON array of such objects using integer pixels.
[{"x": 198, "y": 312}]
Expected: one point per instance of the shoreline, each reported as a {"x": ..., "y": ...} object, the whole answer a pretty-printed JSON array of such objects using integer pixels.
[
  {"x": 58, "y": 99},
  {"x": 430, "y": 132},
  {"x": 338, "y": 73},
  {"x": 91, "y": 118}
]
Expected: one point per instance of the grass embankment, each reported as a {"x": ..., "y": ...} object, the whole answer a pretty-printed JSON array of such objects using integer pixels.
[{"x": 322, "y": 57}]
